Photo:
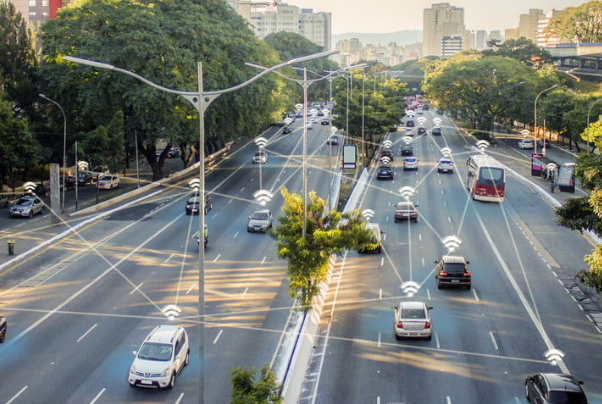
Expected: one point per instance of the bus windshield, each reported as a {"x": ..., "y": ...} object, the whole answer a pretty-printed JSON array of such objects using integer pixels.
[{"x": 491, "y": 176}]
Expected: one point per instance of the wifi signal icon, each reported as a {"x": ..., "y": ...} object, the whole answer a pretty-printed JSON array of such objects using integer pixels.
[
  {"x": 551, "y": 167},
  {"x": 553, "y": 356},
  {"x": 525, "y": 132},
  {"x": 334, "y": 130},
  {"x": 387, "y": 144},
  {"x": 407, "y": 139},
  {"x": 82, "y": 165},
  {"x": 263, "y": 196},
  {"x": 29, "y": 187},
  {"x": 195, "y": 184},
  {"x": 451, "y": 243},
  {"x": 422, "y": 120},
  {"x": 368, "y": 214},
  {"x": 171, "y": 311},
  {"x": 446, "y": 151},
  {"x": 261, "y": 142},
  {"x": 326, "y": 112},
  {"x": 407, "y": 191},
  {"x": 288, "y": 121},
  {"x": 410, "y": 288},
  {"x": 385, "y": 159},
  {"x": 313, "y": 112},
  {"x": 482, "y": 145},
  {"x": 298, "y": 107},
  {"x": 437, "y": 121}
]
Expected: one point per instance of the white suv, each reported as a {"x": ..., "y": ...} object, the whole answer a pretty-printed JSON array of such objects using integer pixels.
[{"x": 161, "y": 357}]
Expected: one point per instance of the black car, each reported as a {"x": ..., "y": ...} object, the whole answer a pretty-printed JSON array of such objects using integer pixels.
[
  {"x": 452, "y": 270},
  {"x": 192, "y": 204},
  {"x": 384, "y": 172},
  {"x": 40, "y": 190},
  {"x": 436, "y": 132},
  {"x": 409, "y": 123},
  {"x": 551, "y": 388},
  {"x": 421, "y": 131},
  {"x": 287, "y": 130},
  {"x": 325, "y": 122},
  {"x": 173, "y": 152},
  {"x": 386, "y": 153},
  {"x": 69, "y": 181},
  {"x": 407, "y": 150},
  {"x": 84, "y": 178},
  {"x": 3, "y": 329},
  {"x": 541, "y": 143}
]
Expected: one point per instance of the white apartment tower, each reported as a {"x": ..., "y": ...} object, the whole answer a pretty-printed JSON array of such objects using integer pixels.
[
  {"x": 528, "y": 24},
  {"x": 442, "y": 20}
]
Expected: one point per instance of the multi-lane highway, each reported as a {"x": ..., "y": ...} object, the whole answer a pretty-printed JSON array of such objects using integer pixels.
[
  {"x": 78, "y": 308},
  {"x": 485, "y": 339}
]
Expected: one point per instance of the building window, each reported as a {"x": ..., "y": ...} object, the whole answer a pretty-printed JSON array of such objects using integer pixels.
[
  {"x": 32, "y": 3},
  {"x": 45, "y": 3},
  {"x": 32, "y": 16}
]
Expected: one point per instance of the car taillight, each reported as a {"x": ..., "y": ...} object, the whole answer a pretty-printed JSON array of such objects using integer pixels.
[
  {"x": 399, "y": 324},
  {"x": 427, "y": 325},
  {"x": 467, "y": 273},
  {"x": 442, "y": 273}
]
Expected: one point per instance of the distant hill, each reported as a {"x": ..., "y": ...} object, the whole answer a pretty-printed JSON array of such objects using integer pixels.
[{"x": 405, "y": 37}]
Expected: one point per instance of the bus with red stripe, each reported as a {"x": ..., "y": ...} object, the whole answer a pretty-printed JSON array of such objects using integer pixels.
[{"x": 486, "y": 178}]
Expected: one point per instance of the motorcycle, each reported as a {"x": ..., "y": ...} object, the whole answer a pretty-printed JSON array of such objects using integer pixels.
[{"x": 198, "y": 241}]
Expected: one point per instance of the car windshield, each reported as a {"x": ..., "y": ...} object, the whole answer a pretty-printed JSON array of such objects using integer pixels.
[
  {"x": 259, "y": 216},
  {"x": 412, "y": 313},
  {"x": 454, "y": 268},
  {"x": 105, "y": 178},
  {"x": 24, "y": 202},
  {"x": 567, "y": 397},
  {"x": 411, "y": 160},
  {"x": 445, "y": 161},
  {"x": 194, "y": 199},
  {"x": 155, "y": 352},
  {"x": 405, "y": 206}
]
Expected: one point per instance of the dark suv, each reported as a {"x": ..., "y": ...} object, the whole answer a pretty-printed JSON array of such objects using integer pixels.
[
  {"x": 384, "y": 172},
  {"x": 551, "y": 388},
  {"x": 452, "y": 270}
]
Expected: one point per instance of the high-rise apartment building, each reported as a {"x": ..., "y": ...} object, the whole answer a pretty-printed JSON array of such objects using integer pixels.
[
  {"x": 528, "y": 24},
  {"x": 543, "y": 38},
  {"x": 442, "y": 21},
  {"x": 270, "y": 17},
  {"x": 38, "y": 11}
]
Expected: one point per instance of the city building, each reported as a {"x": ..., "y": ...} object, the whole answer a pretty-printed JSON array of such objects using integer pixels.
[
  {"x": 443, "y": 21},
  {"x": 38, "y": 11},
  {"x": 351, "y": 51},
  {"x": 529, "y": 23},
  {"x": 543, "y": 38}
]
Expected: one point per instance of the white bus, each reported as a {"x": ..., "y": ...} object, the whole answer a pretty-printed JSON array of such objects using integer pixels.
[{"x": 486, "y": 178}]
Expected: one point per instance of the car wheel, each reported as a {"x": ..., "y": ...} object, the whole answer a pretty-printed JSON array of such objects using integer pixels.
[
  {"x": 397, "y": 337},
  {"x": 430, "y": 337},
  {"x": 30, "y": 214},
  {"x": 187, "y": 212},
  {"x": 439, "y": 286},
  {"x": 187, "y": 359},
  {"x": 172, "y": 381},
  {"x": 527, "y": 396},
  {"x": 379, "y": 250},
  {"x": 468, "y": 287},
  {"x": 3, "y": 336}
]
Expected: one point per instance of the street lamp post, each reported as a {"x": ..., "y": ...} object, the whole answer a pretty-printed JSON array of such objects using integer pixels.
[
  {"x": 535, "y": 116},
  {"x": 64, "y": 148},
  {"x": 588, "y": 113},
  {"x": 200, "y": 100}
]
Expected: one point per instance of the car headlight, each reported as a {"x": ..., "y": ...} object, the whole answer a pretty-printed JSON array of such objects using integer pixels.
[
  {"x": 165, "y": 372},
  {"x": 133, "y": 369}
]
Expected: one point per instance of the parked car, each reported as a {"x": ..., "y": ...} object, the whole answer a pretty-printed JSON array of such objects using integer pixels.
[
  {"x": 173, "y": 152},
  {"x": 412, "y": 320},
  {"x": 260, "y": 157},
  {"x": 3, "y": 329},
  {"x": 445, "y": 165},
  {"x": 405, "y": 210},
  {"x": 452, "y": 270},
  {"x": 192, "y": 204},
  {"x": 287, "y": 130},
  {"x": 551, "y": 388},
  {"x": 436, "y": 131},
  {"x": 84, "y": 178},
  {"x": 384, "y": 171},
  {"x": 332, "y": 140},
  {"x": 69, "y": 181},
  {"x": 407, "y": 150},
  {"x": 108, "y": 181},
  {"x": 161, "y": 357},
  {"x": 26, "y": 206},
  {"x": 260, "y": 221},
  {"x": 410, "y": 163},
  {"x": 525, "y": 144}
]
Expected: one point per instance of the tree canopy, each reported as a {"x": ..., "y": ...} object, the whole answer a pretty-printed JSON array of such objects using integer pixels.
[
  {"x": 161, "y": 41},
  {"x": 522, "y": 49},
  {"x": 247, "y": 390},
  {"x": 578, "y": 24}
]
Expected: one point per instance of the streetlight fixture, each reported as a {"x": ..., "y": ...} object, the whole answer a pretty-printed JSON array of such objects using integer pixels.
[
  {"x": 535, "y": 117},
  {"x": 64, "y": 148},
  {"x": 588, "y": 113},
  {"x": 200, "y": 100}
]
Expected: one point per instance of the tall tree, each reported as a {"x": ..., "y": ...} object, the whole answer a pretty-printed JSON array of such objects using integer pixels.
[
  {"x": 578, "y": 24},
  {"x": 161, "y": 41},
  {"x": 522, "y": 49},
  {"x": 327, "y": 233},
  {"x": 247, "y": 390}
]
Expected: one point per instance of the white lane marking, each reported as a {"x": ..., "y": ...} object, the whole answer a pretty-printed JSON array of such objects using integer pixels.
[
  {"x": 382, "y": 261},
  {"x": 385, "y": 235},
  {"x": 244, "y": 293},
  {"x": 493, "y": 340},
  {"x": 16, "y": 395},
  {"x": 474, "y": 292},
  {"x": 380, "y": 294},
  {"x": 219, "y": 334},
  {"x": 448, "y": 400},
  {"x": 378, "y": 400},
  {"x": 180, "y": 397},
  {"x": 428, "y": 294},
  {"x": 437, "y": 341},
  {"x": 420, "y": 236},
  {"x": 190, "y": 288},
  {"x": 235, "y": 234},
  {"x": 136, "y": 288},
  {"x": 423, "y": 261},
  {"x": 216, "y": 258},
  {"x": 242, "y": 189},
  {"x": 379, "y": 335},
  {"x": 170, "y": 257},
  {"x": 449, "y": 219},
  {"x": 444, "y": 203},
  {"x": 97, "y": 396},
  {"x": 230, "y": 201},
  {"x": 86, "y": 333},
  {"x": 263, "y": 260}
]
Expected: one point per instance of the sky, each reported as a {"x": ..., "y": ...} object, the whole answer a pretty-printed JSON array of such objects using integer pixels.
[{"x": 382, "y": 16}]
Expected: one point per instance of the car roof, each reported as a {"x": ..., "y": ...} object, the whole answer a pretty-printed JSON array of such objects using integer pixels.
[
  {"x": 163, "y": 334},
  {"x": 453, "y": 259},
  {"x": 562, "y": 382},
  {"x": 262, "y": 211},
  {"x": 412, "y": 305},
  {"x": 445, "y": 159},
  {"x": 410, "y": 158},
  {"x": 405, "y": 203}
]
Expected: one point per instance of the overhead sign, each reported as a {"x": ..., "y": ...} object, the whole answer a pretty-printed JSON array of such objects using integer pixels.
[{"x": 349, "y": 156}]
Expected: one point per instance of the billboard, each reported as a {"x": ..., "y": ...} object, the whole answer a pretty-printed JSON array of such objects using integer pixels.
[{"x": 349, "y": 156}]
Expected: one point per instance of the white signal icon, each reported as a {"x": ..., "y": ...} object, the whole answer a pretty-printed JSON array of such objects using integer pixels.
[
  {"x": 171, "y": 311},
  {"x": 387, "y": 144},
  {"x": 368, "y": 214},
  {"x": 446, "y": 151},
  {"x": 326, "y": 112},
  {"x": 288, "y": 121},
  {"x": 482, "y": 145},
  {"x": 437, "y": 121},
  {"x": 385, "y": 159},
  {"x": 29, "y": 187},
  {"x": 525, "y": 132},
  {"x": 451, "y": 243},
  {"x": 421, "y": 120},
  {"x": 410, "y": 114},
  {"x": 82, "y": 165},
  {"x": 407, "y": 192},
  {"x": 553, "y": 356},
  {"x": 551, "y": 166},
  {"x": 334, "y": 130},
  {"x": 407, "y": 139},
  {"x": 298, "y": 107},
  {"x": 410, "y": 288},
  {"x": 261, "y": 142},
  {"x": 313, "y": 112},
  {"x": 195, "y": 184},
  {"x": 263, "y": 196}
]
